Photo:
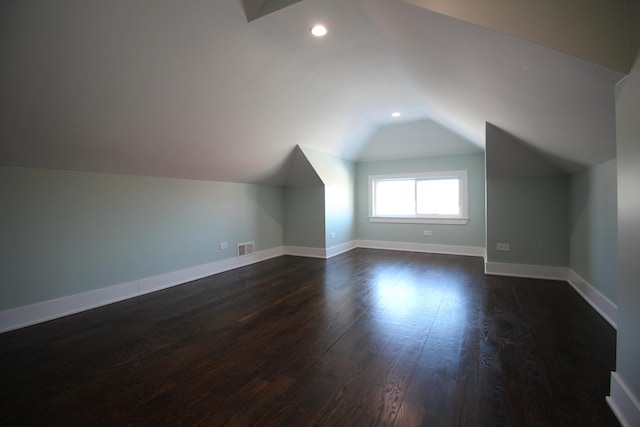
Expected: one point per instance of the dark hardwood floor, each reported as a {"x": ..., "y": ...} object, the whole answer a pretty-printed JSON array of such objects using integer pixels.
[{"x": 367, "y": 338}]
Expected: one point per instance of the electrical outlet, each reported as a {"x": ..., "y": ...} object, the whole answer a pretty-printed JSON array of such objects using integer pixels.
[
  {"x": 503, "y": 247},
  {"x": 428, "y": 233},
  {"x": 333, "y": 235},
  {"x": 223, "y": 245}
]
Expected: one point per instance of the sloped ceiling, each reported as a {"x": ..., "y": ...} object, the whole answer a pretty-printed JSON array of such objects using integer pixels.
[
  {"x": 595, "y": 30},
  {"x": 191, "y": 89}
]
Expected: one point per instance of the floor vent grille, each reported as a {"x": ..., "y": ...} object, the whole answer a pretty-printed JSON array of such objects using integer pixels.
[{"x": 246, "y": 248}]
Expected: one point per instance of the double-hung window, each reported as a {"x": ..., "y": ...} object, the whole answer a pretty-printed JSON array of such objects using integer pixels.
[{"x": 431, "y": 197}]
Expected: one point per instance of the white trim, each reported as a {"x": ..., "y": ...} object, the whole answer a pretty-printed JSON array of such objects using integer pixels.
[
  {"x": 604, "y": 306},
  {"x": 305, "y": 252},
  {"x": 340, "y": 249},
  {"x": 179, "y": 277},
  {"x": 21, "y": 317},
  {"x": 48, "y": 310},
  {"x": 623, "y": 403},
  {"x": 422, "y": 247},
  {"x": 526, "y": 270},
  {"x": 418, "y": 220},
  {"x": 320, "y": 252}
]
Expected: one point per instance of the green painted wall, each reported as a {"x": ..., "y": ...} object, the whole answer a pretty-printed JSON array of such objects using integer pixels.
[
  {"x": 338, "y": 176},
  {"x": 304, "y": 216},
  {"x": 628, "y": 148},
  {"x": 471, "y": 234},
  {"x": 69, "y": 232},
  {"x": 531, "y": 214},
  {"x": 593, "y": 222},
  {"x": 527, "y": 203}
]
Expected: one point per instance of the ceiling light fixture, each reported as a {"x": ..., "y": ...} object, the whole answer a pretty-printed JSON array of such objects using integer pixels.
[
  {"x": 396, "y": 114},
  {"x": 319, "y": 30}
]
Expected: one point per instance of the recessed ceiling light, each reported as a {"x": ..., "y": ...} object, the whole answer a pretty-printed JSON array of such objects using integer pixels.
[
  {"x": 396, "y": 114},
  {"x": 319, "y": 30}
]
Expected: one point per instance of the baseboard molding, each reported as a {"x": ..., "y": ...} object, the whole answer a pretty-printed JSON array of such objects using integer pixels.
[
  {"x": 422, "y": 247},
  {"x": 607, "y": 309},
  {"x": 340, "y": 249},
  {"x": 305, "y": 252},
  {"x": 21, "y": 317},
  {"x": 48, "y": 310},
  {"x": 526, "y": 270},
  {"x": 623, "y": 403}
]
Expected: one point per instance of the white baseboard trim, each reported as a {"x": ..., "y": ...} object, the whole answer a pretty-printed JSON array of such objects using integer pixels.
[
  {"x": 21, "y": 317},
  {"x": 340, "y": 249},
  {"x": 305, "y": 252},
  {"x": 174, "y": 278},
  {"x": 604, "y": 306},
  {"x": 422, "y": 247},
  {"x": 48, "y": 310},
  {"x": 320, "y": 252},
  {"x": 623, "y": 403},
  {"x": 526, "y": 270}
]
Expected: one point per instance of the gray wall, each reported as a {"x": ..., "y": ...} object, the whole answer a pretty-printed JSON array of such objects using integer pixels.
[
  {"x": 527, "y": 204},
  {"x": 303, "y": 204},
  {"x": 530, "y": 214},
  {"x": 628, "y": 146},
  {"x": 338, "y": 176},
  {"x": 304, "y": 216},
  {"x": 69, "y": 232},
  {"x": 593, "y": 222},
  {"x": 471, "y": 234}
]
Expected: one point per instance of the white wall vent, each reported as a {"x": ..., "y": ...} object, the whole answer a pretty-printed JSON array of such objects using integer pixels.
[{"x": 246, "y": 248}]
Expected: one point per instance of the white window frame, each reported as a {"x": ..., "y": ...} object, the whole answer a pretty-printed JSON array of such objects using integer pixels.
[{"x": 461, "y": 219}]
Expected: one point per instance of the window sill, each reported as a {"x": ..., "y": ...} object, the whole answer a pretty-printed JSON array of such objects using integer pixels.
[{"x": 403, "y": 220}]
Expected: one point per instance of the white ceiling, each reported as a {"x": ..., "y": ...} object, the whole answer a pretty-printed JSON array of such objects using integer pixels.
[{"x": 190, "y": 89}]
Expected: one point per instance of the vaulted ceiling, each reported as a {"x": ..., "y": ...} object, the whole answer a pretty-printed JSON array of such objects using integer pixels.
[{"x": 226, "y": 89}]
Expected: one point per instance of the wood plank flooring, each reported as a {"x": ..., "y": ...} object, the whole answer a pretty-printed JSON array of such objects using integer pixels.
[{"x": 366, "y": 338}]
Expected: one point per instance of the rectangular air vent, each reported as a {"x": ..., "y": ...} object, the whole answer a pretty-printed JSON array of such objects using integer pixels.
[{"x": 246, "y": 248}]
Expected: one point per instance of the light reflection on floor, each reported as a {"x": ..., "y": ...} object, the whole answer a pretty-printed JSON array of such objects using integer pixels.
[{"x": 415, "y": 303}]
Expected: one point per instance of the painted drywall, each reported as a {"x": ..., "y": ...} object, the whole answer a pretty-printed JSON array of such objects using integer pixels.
[
  {"x": 415, "y": 140},
  {"x": 304, "y": 216},
  {"x": 527, "y": 203},
  {"x": 531, "y": 215},
  {"x": 593, "y": 30},
  {"x": 338, "y": 176},
  {"x": 471, "y": 234},
  {"x": 67, "y": 232},
  {"x": 628, "y": 147},
  {"x": 593, "y": 227},
  {"x": 298, "y": 171},
  {"x": 510, "y": 157}
]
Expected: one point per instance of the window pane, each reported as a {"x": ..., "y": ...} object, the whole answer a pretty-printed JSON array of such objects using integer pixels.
[
  {"x": 395, "y": 197},
  {"x": 438, "y": 197}
]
